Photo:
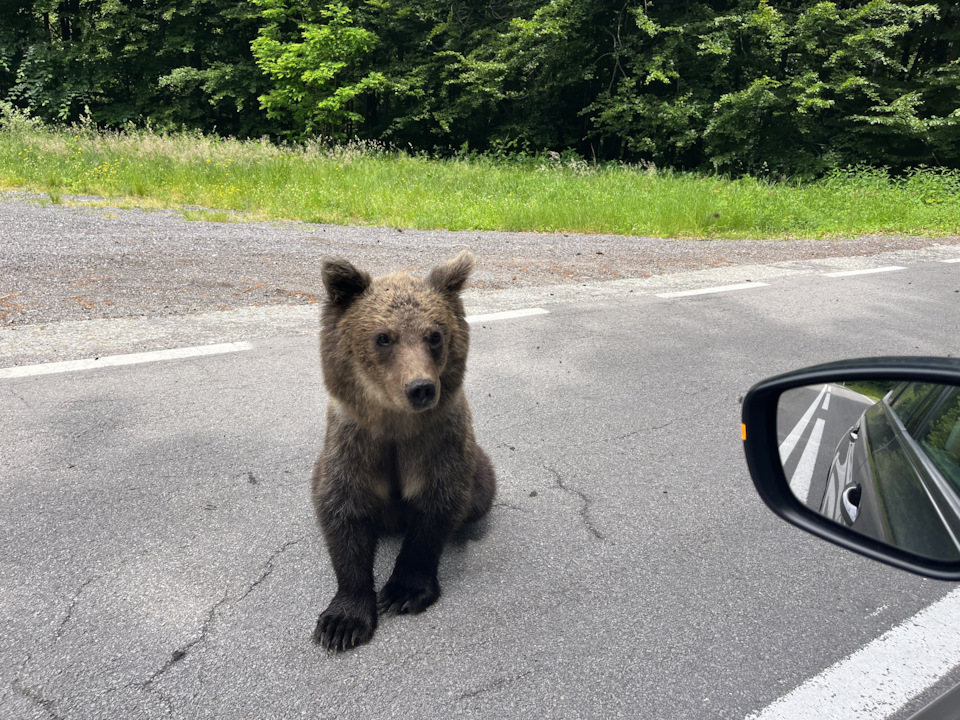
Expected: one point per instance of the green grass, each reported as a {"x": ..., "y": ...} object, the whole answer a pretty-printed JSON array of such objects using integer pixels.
[
  {"x": 364, "y": 184},
  {"x": 873, "y": 389}
]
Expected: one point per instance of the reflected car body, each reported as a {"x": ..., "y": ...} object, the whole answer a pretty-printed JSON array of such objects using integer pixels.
[{"x": 893, "y": 474}]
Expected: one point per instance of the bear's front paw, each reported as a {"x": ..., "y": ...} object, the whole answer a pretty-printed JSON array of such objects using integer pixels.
[
  {"x": 408, "y": 594},
  {"x": 348, "y": 621}
]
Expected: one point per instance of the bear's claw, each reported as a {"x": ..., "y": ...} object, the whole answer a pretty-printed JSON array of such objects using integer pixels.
[
  {"x": 346, "y": 624},
  {"x": 408, "y": 595}
]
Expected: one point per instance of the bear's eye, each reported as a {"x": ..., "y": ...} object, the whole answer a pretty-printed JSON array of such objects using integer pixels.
[
  {"x": 435, "y": 338},
  {"x": 383, "y": 340}
]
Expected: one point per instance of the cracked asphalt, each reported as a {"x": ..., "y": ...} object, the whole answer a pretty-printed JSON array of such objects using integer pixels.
[{"x": 160, "y": 558}]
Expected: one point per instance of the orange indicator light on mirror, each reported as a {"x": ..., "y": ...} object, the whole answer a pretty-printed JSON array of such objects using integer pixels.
[{"x": 743, "y": 431}]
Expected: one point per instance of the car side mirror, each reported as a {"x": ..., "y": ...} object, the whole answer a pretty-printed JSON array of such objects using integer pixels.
[{"x": 866, "y": 454}]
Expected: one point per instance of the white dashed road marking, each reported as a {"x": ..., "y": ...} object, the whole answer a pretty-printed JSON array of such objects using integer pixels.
[
  {"x": 114, "y": 360},
  {"x": 707, "y": 291},
  {"x": 868, "y": 271},
  {"x": 189, "y": 352},
  {"x": 506, "y": 315}
]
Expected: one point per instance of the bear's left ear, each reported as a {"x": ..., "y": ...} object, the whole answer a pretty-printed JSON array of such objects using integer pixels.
[
  {"x": 342, "y": 280},
  {"x": 452, "y": 275}
]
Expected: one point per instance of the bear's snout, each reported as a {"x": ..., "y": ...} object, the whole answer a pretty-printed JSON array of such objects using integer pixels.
[{"x": 421, "y": 394}]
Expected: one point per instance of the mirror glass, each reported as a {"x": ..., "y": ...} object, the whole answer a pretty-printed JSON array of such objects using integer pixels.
[{"x": 881, "y": 457}]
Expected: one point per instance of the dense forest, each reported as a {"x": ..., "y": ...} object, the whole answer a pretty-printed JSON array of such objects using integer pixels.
[{"x": 793, "y": 87}]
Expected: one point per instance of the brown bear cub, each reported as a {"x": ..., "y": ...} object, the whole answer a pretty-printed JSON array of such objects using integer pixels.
[{"x": 399, "y": 451}]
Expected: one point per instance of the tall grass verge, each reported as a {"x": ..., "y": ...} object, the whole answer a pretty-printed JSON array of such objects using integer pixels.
[{"x": 369, "y": 184}]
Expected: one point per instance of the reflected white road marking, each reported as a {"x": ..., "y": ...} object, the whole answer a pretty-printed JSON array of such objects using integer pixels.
[
  {"x": 869, "y": 271},
  {"x": 789, "y": 442},
  {"x": 707, "y": 291},
  {"x": 882, "y": 676},
  {"x": 800, "y": 482},
  {"x": 114, "y": 360}
]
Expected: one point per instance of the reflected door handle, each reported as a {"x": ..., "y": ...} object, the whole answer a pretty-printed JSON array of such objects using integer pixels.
[{"x": 851, "y": 503}]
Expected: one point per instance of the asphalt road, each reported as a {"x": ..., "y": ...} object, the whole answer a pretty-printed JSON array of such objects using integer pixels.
[{"x": 159, "y": 557}]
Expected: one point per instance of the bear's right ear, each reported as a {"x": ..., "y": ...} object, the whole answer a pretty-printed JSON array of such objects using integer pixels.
[{"x": 342, "y": 280}]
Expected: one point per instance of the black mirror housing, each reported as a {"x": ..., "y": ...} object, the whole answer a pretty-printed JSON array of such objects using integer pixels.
[{"x": 760, "y": 442}]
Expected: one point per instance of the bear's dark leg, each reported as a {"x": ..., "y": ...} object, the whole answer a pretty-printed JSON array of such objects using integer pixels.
[
  {"x": 351, "y": 616},
  {"x": 413, "y": 585},
  {"x": 484, "y": 487}
]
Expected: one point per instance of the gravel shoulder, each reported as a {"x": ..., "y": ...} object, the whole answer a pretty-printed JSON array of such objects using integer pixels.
[{"x": 153, "y": 273}]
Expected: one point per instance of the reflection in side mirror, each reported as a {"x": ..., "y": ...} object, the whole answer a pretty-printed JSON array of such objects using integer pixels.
[
  {"x": 881, "y": 457},
  {"x": 865, "y": 454}
]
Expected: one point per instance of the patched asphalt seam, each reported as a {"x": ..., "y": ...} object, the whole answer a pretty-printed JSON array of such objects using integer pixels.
[
  {"x": 585, "y": 507},
  {"x": 17, "y": 396},
  {"x": 616, "y": 438},
  {"x": 643, "y": 430},
  {"x": 270, "y": 566},
  {"x": 510, "y": 506},
  {"x": 73, "y": 603},
  {"x": 34, "y": 696},
  {"x": 495, "y": 685},
  {"x": 181, "y": 652}
]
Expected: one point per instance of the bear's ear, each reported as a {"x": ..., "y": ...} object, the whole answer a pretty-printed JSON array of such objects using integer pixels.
[
  {"x": 342, "y": 280},
  {"x": 452, "y": 275}
]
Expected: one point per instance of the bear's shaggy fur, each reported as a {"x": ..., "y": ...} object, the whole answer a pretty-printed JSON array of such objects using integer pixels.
[{"x": 399, "y": 451}]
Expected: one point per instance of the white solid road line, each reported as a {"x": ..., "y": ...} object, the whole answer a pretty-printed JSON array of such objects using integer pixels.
[
  {"x": 707, "y": 291},
  {"x": 953, "y": 260},
  {"x": 506, "y": 315},
  {"x": 800, "y": 482},
  {"x": 882, "y": 676},
  {"x": 114, "y": 360},
  {"x": 868, "y": 271}
]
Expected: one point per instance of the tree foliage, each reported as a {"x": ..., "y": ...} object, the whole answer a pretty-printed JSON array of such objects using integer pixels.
[
  {"x": 311, "y": 52},
  {"x": 185, "y": 63},
  {"x": 741, "y": 86},
  {"x": 756, "y": 88}
]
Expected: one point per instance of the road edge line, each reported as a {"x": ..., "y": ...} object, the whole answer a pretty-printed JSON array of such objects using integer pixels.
[{"x": 882, "y": 676}]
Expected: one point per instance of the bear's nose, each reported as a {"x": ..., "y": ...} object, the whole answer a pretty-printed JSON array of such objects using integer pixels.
[{"x": 421, "y": 394}]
